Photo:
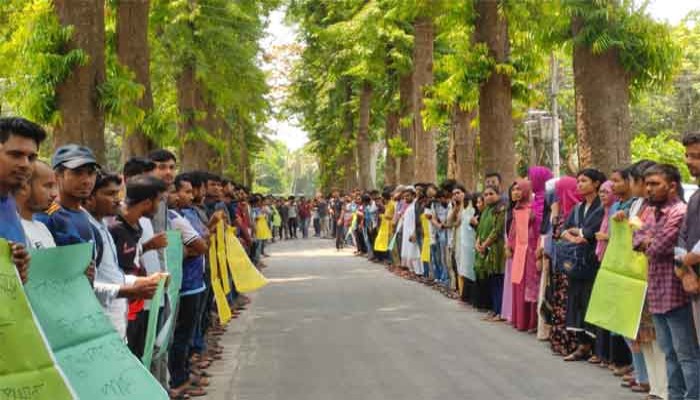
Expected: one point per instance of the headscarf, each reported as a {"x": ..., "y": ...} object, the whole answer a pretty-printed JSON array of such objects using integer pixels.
[
  {"x": 539, "y": 176},
  {"x": 611, "y": 198},
  {"x": 526, "y": 188},
  {"x": 567, "y": 195},
  {"x": 524, "y": 202}
]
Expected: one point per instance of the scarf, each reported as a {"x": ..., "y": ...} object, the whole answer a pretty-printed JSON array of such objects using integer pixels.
[
  {"x": 610, "y": 200},
  {"x": 538, "y": 178},
  {"x": 567, "y": 196}
]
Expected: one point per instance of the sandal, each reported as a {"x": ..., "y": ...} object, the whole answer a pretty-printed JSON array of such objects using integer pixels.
[
  {"x": 595, "y": 360},
  {"x": 194, "y": 391},
  {"x": 579, "y": 355}
]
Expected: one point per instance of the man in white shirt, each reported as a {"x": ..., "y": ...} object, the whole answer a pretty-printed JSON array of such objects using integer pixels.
[
  {"x": 36, "y": 196},
  {"x": 112, "y": 286}
]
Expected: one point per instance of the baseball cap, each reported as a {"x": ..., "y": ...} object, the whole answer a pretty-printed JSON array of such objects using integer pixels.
[{"x": 73, "y": 156}]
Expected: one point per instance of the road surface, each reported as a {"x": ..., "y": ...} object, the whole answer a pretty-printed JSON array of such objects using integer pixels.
[{"x": 332, "y": 326}]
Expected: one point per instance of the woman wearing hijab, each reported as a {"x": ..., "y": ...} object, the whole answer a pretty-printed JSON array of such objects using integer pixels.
[
  {"x": 538, "y": 177},
  {"x": 580, "y": 229},
  {"x": 522, "y": 243},
  {"x": 562, "y": 342},
  {"x": 489, "y": 248},
  {"x": 507, "y": 302}
]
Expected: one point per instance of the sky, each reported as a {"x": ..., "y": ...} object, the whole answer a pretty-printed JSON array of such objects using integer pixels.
[{"x": 280, "y": 35}]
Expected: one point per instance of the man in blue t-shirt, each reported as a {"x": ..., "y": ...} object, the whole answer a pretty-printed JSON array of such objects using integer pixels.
[
  {"x": 76, "y": 171},
  {"x": 19, "y": 147}
]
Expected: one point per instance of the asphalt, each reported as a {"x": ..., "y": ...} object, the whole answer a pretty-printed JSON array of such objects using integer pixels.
[{"x": 331, "y": 325}]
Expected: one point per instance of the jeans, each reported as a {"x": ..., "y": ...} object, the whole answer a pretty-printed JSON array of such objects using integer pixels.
[
  {"x": 440, "y": 272},
  {"x": 317, "y": 227},
  {"x": 178, "y": 359},
  {"x": 305, "y": 227},
  {"x": 675, "y": 334},
  {"x": 323, "y": 223}
]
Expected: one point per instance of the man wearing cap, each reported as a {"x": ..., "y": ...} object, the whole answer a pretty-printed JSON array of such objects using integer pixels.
[{"x": 76, "y": 171}]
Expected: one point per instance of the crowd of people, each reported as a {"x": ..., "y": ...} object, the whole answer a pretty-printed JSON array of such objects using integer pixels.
[
  {"x": 527, "y": 254},
  {"x": 125, "y": 215}
]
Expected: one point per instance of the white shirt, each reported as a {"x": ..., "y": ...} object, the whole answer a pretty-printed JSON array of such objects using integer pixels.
[
  {"x": 37, "y": 234},
  {"x": 109, "y": 278}
]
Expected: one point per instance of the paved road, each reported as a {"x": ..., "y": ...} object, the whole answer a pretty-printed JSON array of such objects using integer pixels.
[{"x": 334, "y": 326}]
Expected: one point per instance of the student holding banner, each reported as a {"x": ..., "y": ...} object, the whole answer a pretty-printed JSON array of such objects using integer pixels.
[
  {"x": 112, "y": 286},
  {"x": 181, "y": 382}
]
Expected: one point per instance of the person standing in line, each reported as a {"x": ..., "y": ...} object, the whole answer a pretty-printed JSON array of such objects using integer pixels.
[
  {"x": 284, "y": 215},
  {"x": 304, "y": 216},
  {"x": 293, "y": 215},
  {"x": 143, "y": 196},
  {"x": 668, "y": 303},
  {"x": 113, "y": 287},
  {"x": 689, "y": 236},
  {"x": 182, "y": 381},
  {"x": 36, "y": 196},
  {"x": 323, "y": 220},
  {"x": 580, "y": 229}
]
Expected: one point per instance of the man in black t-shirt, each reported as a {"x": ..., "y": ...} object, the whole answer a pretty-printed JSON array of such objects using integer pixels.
[{"x": 143, "y": 197}]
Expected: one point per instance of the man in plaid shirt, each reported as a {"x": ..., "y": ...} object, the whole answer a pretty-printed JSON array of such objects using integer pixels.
[{"x": 668, "y": 303}]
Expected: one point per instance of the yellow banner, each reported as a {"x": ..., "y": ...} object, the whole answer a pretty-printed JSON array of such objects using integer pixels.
[
  {"x": 222, "y": 306},
  {"x": 244, "y": 273},
  {"x": 221, "y": 254}
]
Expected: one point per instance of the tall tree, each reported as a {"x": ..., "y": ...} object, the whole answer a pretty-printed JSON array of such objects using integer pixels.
[
  {"x": 425, "y": 149},
  {"x": 495, "y": 96},
  {"x": 134, "y": 53},
  {"x": 82, "y": 120},
  {"x": 618, "y": 49},
  {"x": 366, "y": 180}
]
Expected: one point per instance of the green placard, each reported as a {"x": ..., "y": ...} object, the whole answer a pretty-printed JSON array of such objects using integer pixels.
[
  {"x": 88, "y": 349},
  {"x": 27, "y": 367},
  {"x": 620, "y": 287},
  {"x": 152, "y": 328},
  {"x": 173, "y": 259}
]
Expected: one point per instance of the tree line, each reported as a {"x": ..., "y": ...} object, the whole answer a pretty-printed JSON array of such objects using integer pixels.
[
  {"x": 127, "y": 76},
  {"x": 444, "y": 86}
]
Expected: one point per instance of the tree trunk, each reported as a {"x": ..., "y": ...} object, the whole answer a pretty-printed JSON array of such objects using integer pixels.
[
  {"x": 462, "y": 156},
  {"x": 363, "y": 142},
  {"x": 407, "y": 164},
  {"x": 82, "y": 119},
  {"x": 190, "y": 101},
  {"x": 425, "y": 150},
  {"x": 133, "y": 52},
  {"x": 348, "y": 159},
  {"x": 497, "y": 142},
  {"x": 391, "y": 164},
  {"x": 602, "y": 108}
]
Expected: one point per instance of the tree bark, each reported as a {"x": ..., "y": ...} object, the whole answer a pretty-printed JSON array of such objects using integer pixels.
[
  {"x": 190, "y": 101},
  {"x": 497, "y": 143},
  {"x": 349, "y": 156},
  {"x": 363, "y": 141},
  {"x": 407, "y": 164},
  {"x": 82, "y": 119},
  {"x": 133, "y": 52},
  {"x": 462, "y": 156},
  {"x": 602, "y": 96},
  {"x": 425, "y": 150},
  {"x": 391, "y": 164}
]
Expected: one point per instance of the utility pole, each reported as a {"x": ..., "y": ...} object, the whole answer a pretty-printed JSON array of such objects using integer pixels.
[{"x": 554, "y": 90}]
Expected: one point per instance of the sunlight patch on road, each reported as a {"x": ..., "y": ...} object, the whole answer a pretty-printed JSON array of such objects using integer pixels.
[
  {"x": 310, "y": 253},
  {"x": 294, "y": 279}
]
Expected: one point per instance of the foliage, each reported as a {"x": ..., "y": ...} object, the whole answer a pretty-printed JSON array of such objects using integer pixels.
[
  {"x": 645, "y": 47},
  {"x": 663, "y": 148},
  {"x": 33, "y": 58}
]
